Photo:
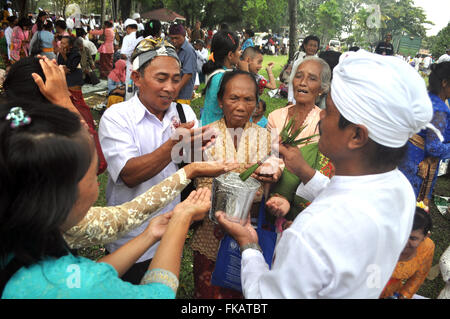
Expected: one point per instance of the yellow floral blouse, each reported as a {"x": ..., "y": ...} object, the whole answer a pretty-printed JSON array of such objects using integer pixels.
[
  {"x": 409, "y": 275},
  {"x": 253, "y": 146},
  {"x": 103, "y": 225}
]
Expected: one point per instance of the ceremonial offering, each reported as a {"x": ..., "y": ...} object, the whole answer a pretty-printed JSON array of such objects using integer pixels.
[
  {"x": 288, "y": 138},
  {"x": 233, "y": 196}
]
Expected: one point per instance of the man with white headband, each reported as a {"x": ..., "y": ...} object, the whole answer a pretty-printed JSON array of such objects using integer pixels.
[
  {"x": 347, "y": 242},
  {"x": 135, "y": 136}
]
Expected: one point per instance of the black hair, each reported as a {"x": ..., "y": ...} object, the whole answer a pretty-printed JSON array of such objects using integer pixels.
[
  {"x": 224, "y": 26},
  {"x": 40, "y": 24},
  {"x": 263, "y": 104},
  {"x": 48, "y": 25},
  {"x": 71, "y": 40},
  {"x": 222, "y": 43},
  {"x": 439, "y": 73},
  {"x": 11, "y": 19},
  {"x": 354, "y": 49},
  {"x": 153, "y": 28},
  {"x": 382, "y": 156},
  {"x": 80, "y": 32},
  {"x": 250, "y": 52},
  {"x": 19, "y": 82},
  {"x": 331, "y": 57},
  {"x": 422, "y": 221},
  {"x": 132, "y": 26},
  {"x": 228, "y": 76},
  {"x": 24, "y": 22},
  {"x": 61, "y": 24},
  {"x": 307, "y": 39},
  {"x": 108, "y": 24},
  {"x": 250, "y": 33},
  {"x": 41, "y": 164}
]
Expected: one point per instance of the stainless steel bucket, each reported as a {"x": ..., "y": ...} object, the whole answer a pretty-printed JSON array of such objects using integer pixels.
[{"x": 233, "y": 196}]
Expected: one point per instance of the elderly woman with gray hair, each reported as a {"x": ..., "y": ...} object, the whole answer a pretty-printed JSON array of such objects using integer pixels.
[{"x": 310, "y": 78}]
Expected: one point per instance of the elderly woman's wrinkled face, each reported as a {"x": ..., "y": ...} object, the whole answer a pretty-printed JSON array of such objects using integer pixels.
[
  {"x": 239, "y": 101},
  {"x": 306, "y": 82}
]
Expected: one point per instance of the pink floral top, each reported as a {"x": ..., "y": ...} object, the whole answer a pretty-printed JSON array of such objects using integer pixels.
[
  {"x": 108, "y": 46},
  {"x": 17, "y": 43}
]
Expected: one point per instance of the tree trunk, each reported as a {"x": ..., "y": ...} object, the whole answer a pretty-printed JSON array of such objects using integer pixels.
[
  {"x": 102, "y": 13},
  {"x": 125, "y": 8},
  {"x": 292, "y": 7},
  {"x": 22, "y": 8}
]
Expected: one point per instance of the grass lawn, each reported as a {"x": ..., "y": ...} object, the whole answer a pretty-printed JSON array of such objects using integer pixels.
[{"x": 441, "y": 225}]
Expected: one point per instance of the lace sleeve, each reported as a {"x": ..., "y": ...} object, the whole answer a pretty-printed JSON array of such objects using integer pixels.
[
  {"x": 103, "y": 225},
  {"x": 434, "y": 146},
  {"x": 161, "y": 276}
]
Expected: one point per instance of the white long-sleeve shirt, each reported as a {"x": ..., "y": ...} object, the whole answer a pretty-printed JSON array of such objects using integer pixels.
[
  {"x": 344, "y": 245},
  {"x": 128, "y": 130}
]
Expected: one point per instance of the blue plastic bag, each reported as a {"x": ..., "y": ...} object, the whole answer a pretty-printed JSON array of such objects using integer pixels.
[{"x": 227, "y": 272}]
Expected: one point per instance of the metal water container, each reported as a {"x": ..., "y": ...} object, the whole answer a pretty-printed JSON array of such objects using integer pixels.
[{"x": 233, "y": 196}]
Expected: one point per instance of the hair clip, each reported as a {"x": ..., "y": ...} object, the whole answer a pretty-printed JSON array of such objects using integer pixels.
[
  {"x": 422, "y": 205},
  {"x": 17, "y": 117},
  {"x": 231, "y": 38}
]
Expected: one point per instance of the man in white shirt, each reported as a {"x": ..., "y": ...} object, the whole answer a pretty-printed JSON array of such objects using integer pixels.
[
  {"x": 128, "y": 45},
  {"x": 347, "y": 242},
  {"x": 202, "y": 58},
  {"x": 70, "y": 24},
  {"x": 136, "y": 16},
  {"x": 445, "y": 57},
  {"x": 90, "y": 46},
  {"x": 92, "y": 22},
  {"x": 12, "y": 20},
  {"x": 137, "y": 137},
  {"x": 10, "y": 10}
]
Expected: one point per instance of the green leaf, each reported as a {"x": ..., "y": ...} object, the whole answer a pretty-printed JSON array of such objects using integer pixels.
[{"x": 249, "y": 171}]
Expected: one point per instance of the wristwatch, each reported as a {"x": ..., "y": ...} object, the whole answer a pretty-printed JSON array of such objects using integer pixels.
[{"x": 251, "y": 245}]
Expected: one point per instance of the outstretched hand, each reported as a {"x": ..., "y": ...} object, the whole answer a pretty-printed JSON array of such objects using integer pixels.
[
  {"x": 193, "y": 141},
  {"x": 158, "y": 225},
  {"x": 208, "y": 169},
  {"x": 269, "y": 172},
  {"x": 278, "y": 206},
  {"x": 197, "y": 204}
]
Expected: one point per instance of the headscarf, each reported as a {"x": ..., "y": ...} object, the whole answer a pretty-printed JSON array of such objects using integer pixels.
[
  {"x": 118, "y": 74},
  {"x": 177, "y": 29},
  {"x": 148, "y": 49},
  {"x": 384, "y": 94}
]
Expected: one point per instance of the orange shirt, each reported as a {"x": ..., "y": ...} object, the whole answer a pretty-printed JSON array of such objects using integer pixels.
[{"x": 409, "y": 275}]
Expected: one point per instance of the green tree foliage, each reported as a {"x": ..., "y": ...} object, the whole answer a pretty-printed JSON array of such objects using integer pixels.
[
  {"x": 441, "y": 42},
  {"x": 329, "y": 18},
  {"x": 265, "y": 15}
]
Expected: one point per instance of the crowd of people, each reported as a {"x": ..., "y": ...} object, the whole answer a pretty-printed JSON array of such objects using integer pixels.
[{"x": 351, "y": 201}]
